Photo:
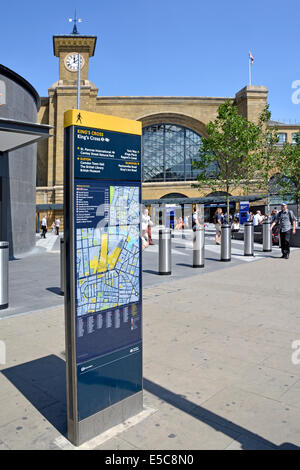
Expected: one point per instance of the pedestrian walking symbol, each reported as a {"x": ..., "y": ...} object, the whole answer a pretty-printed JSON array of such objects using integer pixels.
[{"x": 79, "y": 118}]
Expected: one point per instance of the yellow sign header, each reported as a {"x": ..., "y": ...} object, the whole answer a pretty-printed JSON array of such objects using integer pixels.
[{"x": 78, "y": 117}]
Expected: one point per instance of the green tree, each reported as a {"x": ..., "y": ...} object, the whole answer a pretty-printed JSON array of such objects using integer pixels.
[
  {"x": 228, "y": 155},
  {"x": 267, "y": 154},
  {"x": 289, "y": 168}
]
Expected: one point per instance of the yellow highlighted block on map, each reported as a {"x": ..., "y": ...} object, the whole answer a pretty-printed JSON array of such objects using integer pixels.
[
  {"x": 113, "y": 258},
  {"x": 102, "y": 263},
  {"x": 94, "y": 264}
]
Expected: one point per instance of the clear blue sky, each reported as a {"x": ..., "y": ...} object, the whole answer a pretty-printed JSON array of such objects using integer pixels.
[{"x": 163, "y": 47}]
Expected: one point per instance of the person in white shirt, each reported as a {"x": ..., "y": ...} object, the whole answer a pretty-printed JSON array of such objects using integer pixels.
[
  {"x": 145, "y": 223},
  {"x": 258, "y": 218},
  {"x": 57, "y": 224},
  {"x": 44, "y": 226},
  {"x": 235, "y": 227}
]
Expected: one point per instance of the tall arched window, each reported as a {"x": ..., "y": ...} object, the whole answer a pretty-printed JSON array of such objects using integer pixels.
[{"x": 168, "y": 152}]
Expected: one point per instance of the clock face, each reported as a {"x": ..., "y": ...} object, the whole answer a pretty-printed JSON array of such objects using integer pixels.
[{"x": 71, "y": 61}]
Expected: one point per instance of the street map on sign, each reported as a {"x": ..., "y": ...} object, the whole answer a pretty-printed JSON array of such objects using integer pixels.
[{"x": 108, "y": 257}]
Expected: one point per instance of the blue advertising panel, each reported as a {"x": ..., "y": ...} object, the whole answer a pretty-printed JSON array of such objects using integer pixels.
[
  {"x": 102, "y": 237},
  {"x": 244, "y": 211}
]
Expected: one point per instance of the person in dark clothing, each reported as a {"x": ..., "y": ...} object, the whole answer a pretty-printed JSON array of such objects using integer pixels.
[{"x": 287, "y": 223}]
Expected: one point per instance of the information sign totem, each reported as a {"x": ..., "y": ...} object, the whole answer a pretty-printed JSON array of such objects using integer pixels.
[
  {"x": 103, "y": 283},
  {"x": 244, "y": 212}
]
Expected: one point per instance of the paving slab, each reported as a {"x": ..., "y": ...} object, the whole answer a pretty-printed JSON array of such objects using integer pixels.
[{"x": 217, "y": 365}]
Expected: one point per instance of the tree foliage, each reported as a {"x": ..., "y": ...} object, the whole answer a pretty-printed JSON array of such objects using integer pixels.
[
  {"x": 289, "y": 167},
  {"x": 267, "y": 154},
  {"x": 228, "y": 155}
]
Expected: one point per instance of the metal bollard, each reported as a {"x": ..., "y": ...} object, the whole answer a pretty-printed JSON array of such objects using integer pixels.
[
  {"x": 4, "y": 248},
  {"x": 198, "y": 247},
  {"x": 62, "y": 266},
  {"x": 164, "y": 251},
  {"x": 248, "y": 239},
  {"x": 267, "y": 236},
  {"x": 225, "y": 242}
]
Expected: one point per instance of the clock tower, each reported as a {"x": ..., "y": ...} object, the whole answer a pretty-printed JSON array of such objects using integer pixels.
[
  {"x": 63, "y": 96},
  {"x": 67, "y": 48}
]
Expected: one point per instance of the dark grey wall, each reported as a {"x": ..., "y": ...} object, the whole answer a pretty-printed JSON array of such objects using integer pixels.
[{"x": 18, "y": 173}]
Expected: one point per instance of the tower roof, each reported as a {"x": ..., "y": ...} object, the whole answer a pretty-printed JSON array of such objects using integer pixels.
[{"x": 71, "y": 42}]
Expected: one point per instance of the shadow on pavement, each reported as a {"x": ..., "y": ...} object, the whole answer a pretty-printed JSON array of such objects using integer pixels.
[
  {"x": 150, "y": 271},
  {"x": 186, "y": 265},
  {"x": 247, "y": 439},
  {"x": 43, "y": 383},
  {"x": 55, "y": 290}
]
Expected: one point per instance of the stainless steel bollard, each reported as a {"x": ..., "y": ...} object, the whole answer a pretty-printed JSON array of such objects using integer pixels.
[
  {"x": 248, "y": 239},
  {"x": 198, "y": 247},
  {"x": 225, "y": 242},
  {"x": 62, "y": 266},
  {"x": 267, "y": 236},
  {"x": 164, "y": 252},
  {"x": 4, "y": 249}
]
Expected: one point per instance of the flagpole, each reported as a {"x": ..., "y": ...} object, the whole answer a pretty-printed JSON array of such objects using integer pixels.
[{"x": 249, "y": 69}]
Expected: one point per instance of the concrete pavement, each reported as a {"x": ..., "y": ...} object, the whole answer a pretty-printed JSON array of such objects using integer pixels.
[
  {"x": 218, "y": 370},
  {"x": 35, "y": 280}
]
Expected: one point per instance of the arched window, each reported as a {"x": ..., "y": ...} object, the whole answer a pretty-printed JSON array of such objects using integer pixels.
[
  {"x": 281, "y": 187},
  {"x": 278, "y": 182},
  {"x": 173, "y": 196},
  {"x": 168, "y": 152}
]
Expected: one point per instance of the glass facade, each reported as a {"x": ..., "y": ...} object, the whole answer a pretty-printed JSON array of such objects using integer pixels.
[{"x": 168, "y": 152}]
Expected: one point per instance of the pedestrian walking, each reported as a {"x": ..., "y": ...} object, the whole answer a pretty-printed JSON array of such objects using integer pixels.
[
  {"x": 287, "y": 224},
  {"x": 258, "y": 218},
  {"x": 145, "y": 225},
  {"x": 218, "y": 220},
  {"x": 53, "y": 228},
  {"x": 235, "y": 227},
  {"x": 44, "y": 227},
  {"x": 150, "y": 224},
  {"x": 180, "y": 224},
  {"x": 57, "y": 224},
  {"x": 274, "y": 214},
  {"x": 195, "y": 220}
]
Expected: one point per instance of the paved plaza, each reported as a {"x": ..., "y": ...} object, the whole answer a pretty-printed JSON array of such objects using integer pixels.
[
  {"x": 218, "y": 370},
  {"x": 35, "y": 279}
]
